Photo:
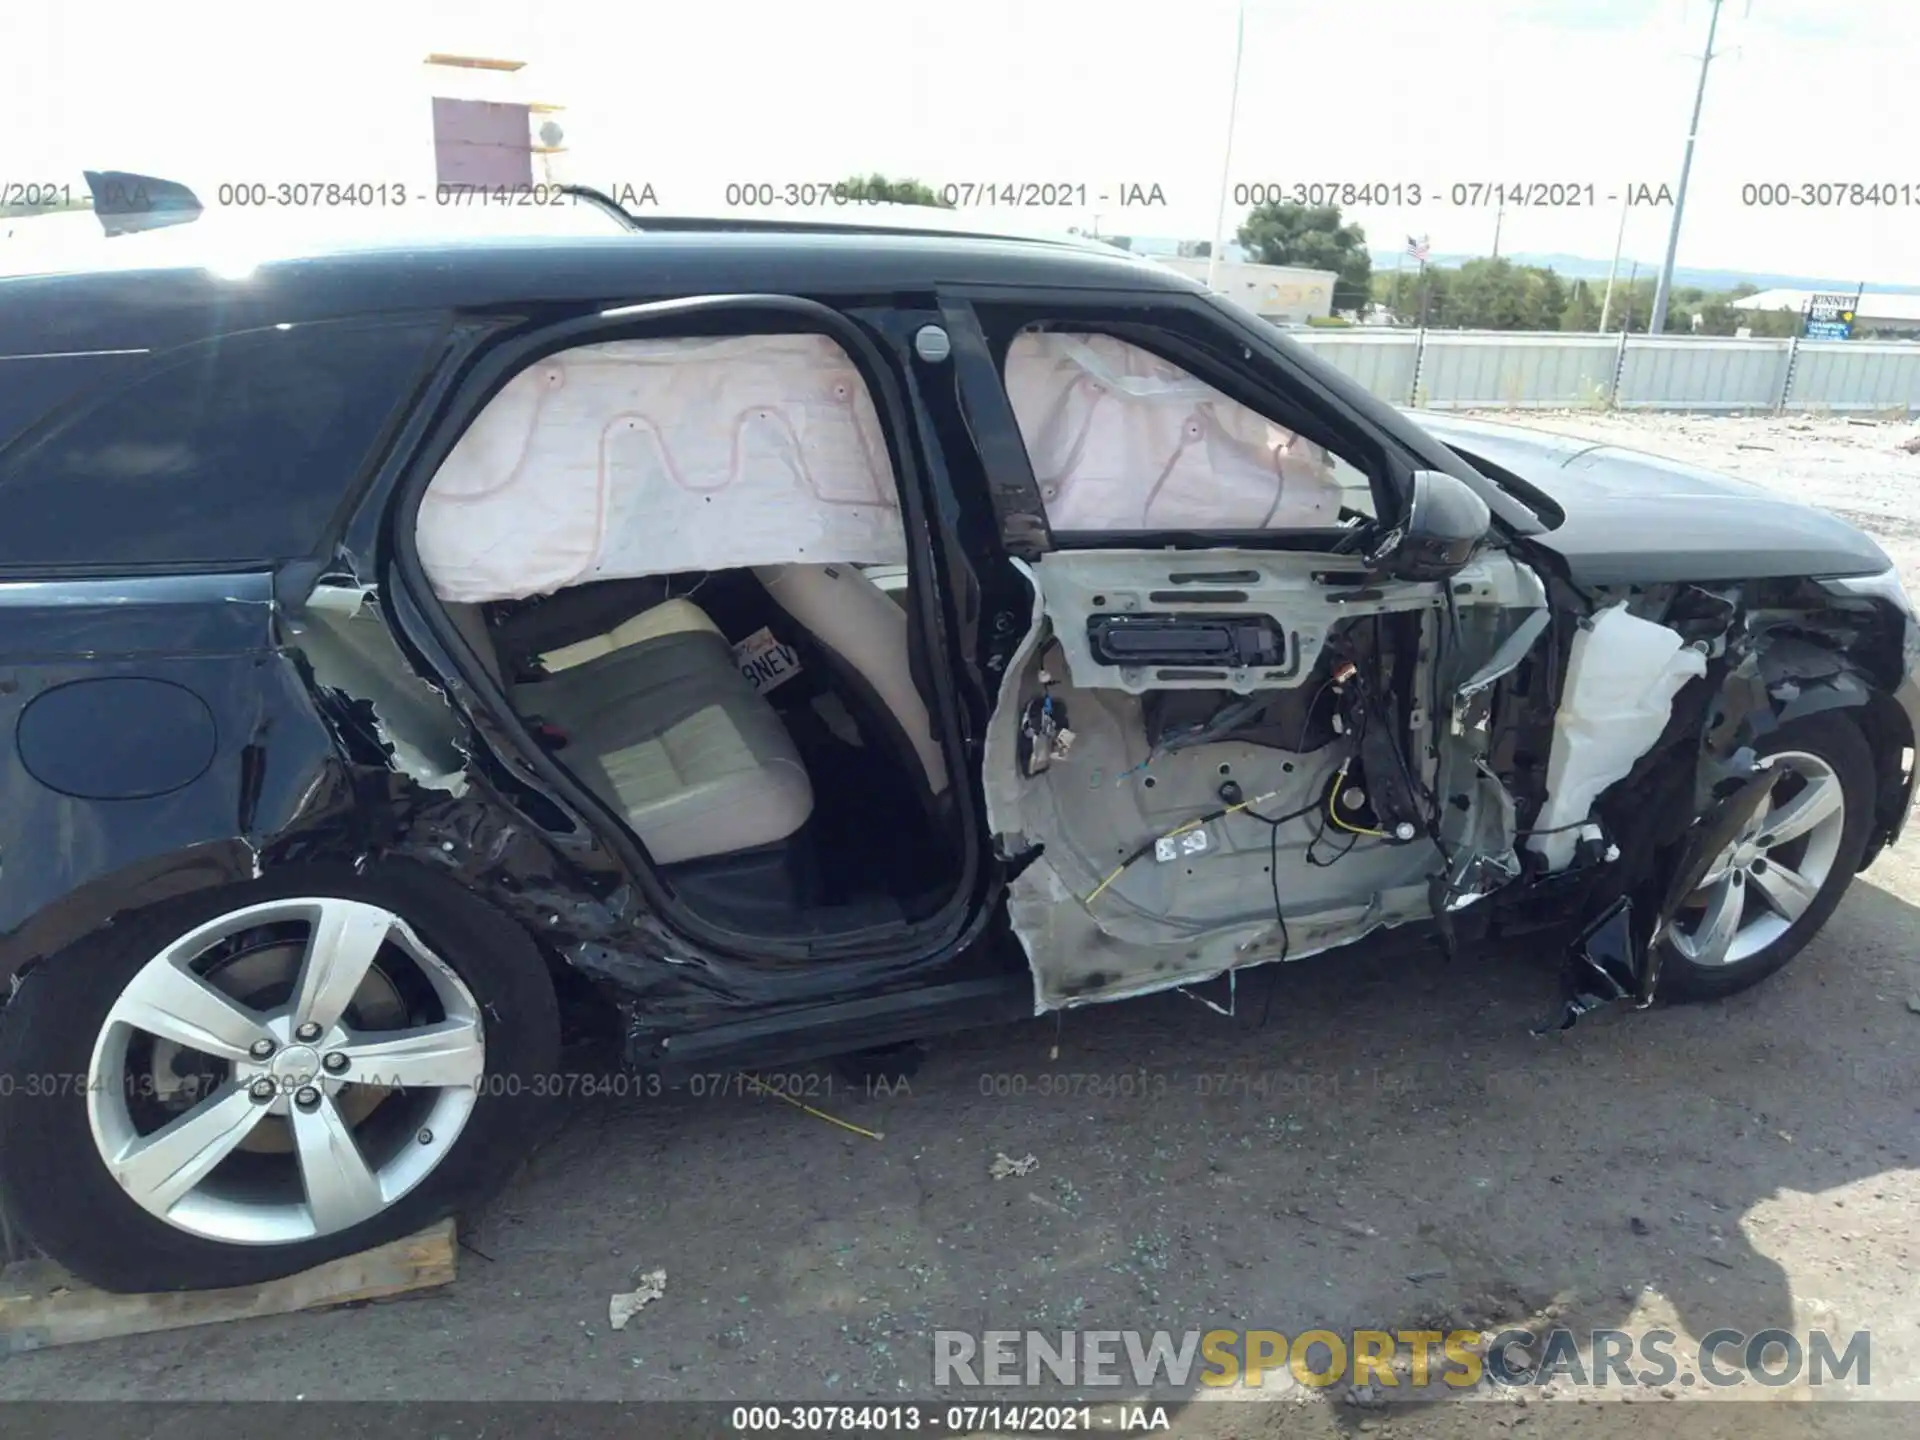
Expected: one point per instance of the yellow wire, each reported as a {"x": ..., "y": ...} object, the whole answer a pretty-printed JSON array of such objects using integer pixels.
[
  {"x": 1333, "y": 798},
  {"x": 1119, "y": 869},
  {"x": 817, "y": 1114}
]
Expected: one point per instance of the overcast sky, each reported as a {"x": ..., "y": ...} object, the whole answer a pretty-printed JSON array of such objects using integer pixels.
[{"x": 688, "y": 96}]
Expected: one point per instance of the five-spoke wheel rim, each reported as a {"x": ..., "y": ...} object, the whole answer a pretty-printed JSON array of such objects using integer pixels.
[
  {"x": 289, "y": 1112},
  {"x": 1766, "y": 879}
]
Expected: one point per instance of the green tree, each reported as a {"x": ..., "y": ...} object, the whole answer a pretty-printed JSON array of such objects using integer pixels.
[
  {"x": 1718, "y": 317},
  {"x": 897, "y": 192},
  {"x": 1546, "y": 298},
  {"x": 1430, "y": 298},
  {"x": 1582, "y": 311},
  {"x": 1311, "y": 236},
  {"x": 1781, "y": 324}
]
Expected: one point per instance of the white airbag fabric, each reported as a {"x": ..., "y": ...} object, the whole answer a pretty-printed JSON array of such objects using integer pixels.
[
  {"x": 647, "y": 457},
  {"x": 1121, "y": 439},
  {"x": 1622, "y": 675}
]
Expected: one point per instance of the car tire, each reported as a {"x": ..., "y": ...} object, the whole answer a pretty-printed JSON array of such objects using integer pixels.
[
  {"x": 1832, "y": 747},
  {"x": 55, "y": 1179}
]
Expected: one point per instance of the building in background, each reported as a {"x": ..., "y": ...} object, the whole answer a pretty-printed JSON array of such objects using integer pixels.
[
  {"x": 489, "y": 130},
  {"x": 1281, "y": 293},
  {"x": 1873, "y": 314}
]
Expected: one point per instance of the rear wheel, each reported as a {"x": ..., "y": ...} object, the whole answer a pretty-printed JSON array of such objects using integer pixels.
[
  {"x": 1776, "y": 884},
  {"x": 245, "y": 1082}
]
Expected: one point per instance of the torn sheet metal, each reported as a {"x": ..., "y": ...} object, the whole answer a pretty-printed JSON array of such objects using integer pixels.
[
  {"x": 653, "y": 457},
  {"x": 1471, "y": 697},
  {"x": 1121, "y": 439},
  {"x": 345, "y": 638}
]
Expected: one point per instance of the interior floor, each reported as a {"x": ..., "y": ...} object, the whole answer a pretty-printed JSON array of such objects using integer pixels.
[{"x": 758, "y": 730}]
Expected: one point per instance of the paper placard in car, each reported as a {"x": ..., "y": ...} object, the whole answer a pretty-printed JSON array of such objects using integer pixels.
[{"x": 765, "y": 661}]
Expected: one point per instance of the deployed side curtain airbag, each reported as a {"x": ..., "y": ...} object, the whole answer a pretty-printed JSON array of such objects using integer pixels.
[
  {"x": 647, "y": 457},
  {"x": 1120, "y": 439}
]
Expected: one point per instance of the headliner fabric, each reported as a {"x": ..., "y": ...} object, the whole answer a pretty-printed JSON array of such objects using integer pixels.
[
  {"x": 1121, "y": 439},
  {"x": 649, "y": 457}
]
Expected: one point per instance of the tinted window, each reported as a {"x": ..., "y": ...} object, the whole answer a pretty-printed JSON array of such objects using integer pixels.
[{"x": 239, "y": 450}]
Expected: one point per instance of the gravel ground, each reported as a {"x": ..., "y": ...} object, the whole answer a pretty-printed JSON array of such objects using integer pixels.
[{"x": 1394, "y": 1148}]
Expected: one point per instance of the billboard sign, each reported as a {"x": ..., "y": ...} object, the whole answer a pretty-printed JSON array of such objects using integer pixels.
[{"x": 1830, "y": 317}]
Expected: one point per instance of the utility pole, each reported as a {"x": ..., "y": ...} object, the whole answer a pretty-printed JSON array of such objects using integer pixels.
[
  {"x": 1658, "y": 323},
  {"x": 1619, "y": 238},
  {"x": 1226, "y": 161},
  {"x": 1498, "y": 216}
]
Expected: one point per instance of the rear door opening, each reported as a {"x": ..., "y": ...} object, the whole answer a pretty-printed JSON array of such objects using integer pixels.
[{"x": 657, "y": 548}]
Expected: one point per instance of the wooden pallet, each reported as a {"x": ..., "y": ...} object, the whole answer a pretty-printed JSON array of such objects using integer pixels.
[{"x": 41, "y": 1305}]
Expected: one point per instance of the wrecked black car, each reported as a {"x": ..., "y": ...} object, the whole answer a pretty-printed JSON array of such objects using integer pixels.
[{"x": 783, "y": 641}]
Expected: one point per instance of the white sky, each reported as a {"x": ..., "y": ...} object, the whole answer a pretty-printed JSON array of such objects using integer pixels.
[{"x": 687, "y": 96}]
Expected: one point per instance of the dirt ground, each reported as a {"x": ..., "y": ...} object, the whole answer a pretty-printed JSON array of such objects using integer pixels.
[{"x": 1361, "y": 1143}]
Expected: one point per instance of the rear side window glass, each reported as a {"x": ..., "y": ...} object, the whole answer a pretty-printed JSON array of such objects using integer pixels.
[{"x": 238, "y": 450}]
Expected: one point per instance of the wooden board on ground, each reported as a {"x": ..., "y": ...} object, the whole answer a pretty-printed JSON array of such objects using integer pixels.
[{"x": 41, "y": 1305}]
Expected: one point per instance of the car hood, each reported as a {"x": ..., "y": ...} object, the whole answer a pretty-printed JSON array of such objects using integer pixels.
[{"x": 1632, "y": 517}]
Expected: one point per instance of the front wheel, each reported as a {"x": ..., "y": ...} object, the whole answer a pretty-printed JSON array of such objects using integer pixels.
[
  {"x": 1775, "y": 885},
  {"x": 245, "y": 1082}
]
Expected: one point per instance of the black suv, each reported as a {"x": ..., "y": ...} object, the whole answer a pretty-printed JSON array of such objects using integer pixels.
[{"x": 785, "y": 640}]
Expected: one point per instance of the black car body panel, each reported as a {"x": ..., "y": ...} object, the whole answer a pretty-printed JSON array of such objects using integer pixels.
[
  {"x": 1633, "y": 518},
  {"x": 308, "y": 756}
]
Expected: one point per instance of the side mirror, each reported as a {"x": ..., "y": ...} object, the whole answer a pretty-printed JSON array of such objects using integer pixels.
[{"x": 1445, "y": 524}]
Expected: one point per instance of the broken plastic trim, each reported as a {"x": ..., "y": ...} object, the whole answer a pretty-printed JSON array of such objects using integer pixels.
[{"x": 1602, "y": 966}]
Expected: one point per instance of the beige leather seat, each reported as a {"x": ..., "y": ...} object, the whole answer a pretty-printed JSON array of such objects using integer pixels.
[
  {"x": 659, "y": 722},
  {"x": 864, "y": 631}
]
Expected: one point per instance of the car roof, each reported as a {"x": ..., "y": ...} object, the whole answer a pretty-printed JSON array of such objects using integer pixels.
[{"x": 154, "y": 289}]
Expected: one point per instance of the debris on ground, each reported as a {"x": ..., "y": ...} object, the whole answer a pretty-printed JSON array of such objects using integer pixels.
[
  {"x": 760, "y": 1088},
  {"x": 623, "y": 1305},
  {"x": 1005, "y": 1165},
  {"x": 1638, "y": 1226},
  {"x": 1913, "y": 1002}
]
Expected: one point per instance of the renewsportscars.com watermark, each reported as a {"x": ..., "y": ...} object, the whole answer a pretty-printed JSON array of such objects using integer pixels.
[{"x": 1399, "y": 1360}]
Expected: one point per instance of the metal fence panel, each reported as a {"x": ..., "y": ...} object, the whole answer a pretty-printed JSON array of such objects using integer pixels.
[
  {"x": 1686, "y": 372},
  {"x": 1381, "y": 360},
  {"x": 1856, "y": 375},
  {"x": 1497, "y": 370},
  {"x": 1515, "y": 370}
]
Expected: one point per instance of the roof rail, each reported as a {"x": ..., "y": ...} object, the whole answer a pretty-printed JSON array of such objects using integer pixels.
[{"x": 750, "y": 224}]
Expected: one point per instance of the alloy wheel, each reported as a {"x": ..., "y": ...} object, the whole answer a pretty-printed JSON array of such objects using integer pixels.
[
  {"x": 1771, "y": 873},
  {"x": 285, "y": 1071}
]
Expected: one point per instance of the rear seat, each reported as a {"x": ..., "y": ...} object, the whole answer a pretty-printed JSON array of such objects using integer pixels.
[{"x": 660, "y": 723}]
